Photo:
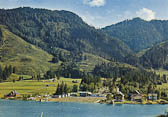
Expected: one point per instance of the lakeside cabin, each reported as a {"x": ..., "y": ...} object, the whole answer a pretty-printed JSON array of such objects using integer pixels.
[
  {"x": 61, "y": 96},
  {"x": 12, "y": 94},
  {"x": 74, "y": 94},
  {"x": 136, "y": 96},
  {"x": 84, "y": 93},
  {"x": 152, "y": 96}
]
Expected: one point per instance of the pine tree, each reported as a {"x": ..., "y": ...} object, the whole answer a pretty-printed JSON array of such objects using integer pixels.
[
  {"x": 65, "y": 89},
  {"x": 10, "y": 69},
  {"x": 58, "y": 90},
  {"x": 62, "y": 88},
  {"x": 1, "y": 72},
  {"x": 14, "y": 69}
]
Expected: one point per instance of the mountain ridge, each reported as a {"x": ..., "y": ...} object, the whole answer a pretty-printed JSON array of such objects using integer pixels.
[
  {"x": 62, "y": 29},
  {"x": 139, "y": 34}
]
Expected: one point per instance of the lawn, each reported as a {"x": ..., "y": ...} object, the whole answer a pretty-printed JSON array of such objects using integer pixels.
[{"x": 34, "y": 87}]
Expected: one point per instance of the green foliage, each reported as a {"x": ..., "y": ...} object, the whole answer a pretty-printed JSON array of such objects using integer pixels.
[
  {"x": 127, "y": 79},
  {"x": 109, "y": 97},
  {"x": 51, "y": 30},
  {"x": 156, "y": 57},
  {"x": 67, "y": 70},
  {"x": 6, "y": 72},
  {"x": 61, "y": 89},
  {"x": 90, "y": 83},
  {"x": 139, "y": 34},
  {"x": 75, "y": 88}
]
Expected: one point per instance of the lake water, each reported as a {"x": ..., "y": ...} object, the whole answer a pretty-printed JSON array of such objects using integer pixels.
[{"x": 10, "y": 108}]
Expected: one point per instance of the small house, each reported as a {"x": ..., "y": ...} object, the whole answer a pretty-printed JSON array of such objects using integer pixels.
[
  {"x": 119, "y": 96},
  {"x": 84, "y": 93},
  {"x": 13, "y": 93},
  {"x": 56, "y": 96},
  {"x": 152, "y": 96},
  {"x": 73, "y": 94},
  {"x": 136, "y": 97},
  {"x": 60, "y": 96}
]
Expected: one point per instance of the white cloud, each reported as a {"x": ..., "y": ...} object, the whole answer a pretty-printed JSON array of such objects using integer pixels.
[
  {"x": 146, "y": 14},
  {"x": 95, "y": 3}
]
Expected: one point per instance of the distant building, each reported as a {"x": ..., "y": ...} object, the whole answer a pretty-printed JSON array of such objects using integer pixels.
[
  {"x": 13, "y": 93},
  {"x": 60, "y": 96},
  {"x": 74, "y": 94},
  {"x": 56, "y": 96},
  {"x": 119, "y": 96},
  {"x": 136, "y": 96},
  {"x": 152, "y": 96}
]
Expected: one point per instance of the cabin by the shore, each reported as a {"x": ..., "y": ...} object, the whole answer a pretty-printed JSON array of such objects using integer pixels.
[
  {"x": 152, "y": 96},
  {"x": 12, "y": 94},
  {"x": 61, "y": 96},
  {"x": 74, "y": 94},
  {"x": 84, "y": 93},
  {"x": 136, "y": 96}
]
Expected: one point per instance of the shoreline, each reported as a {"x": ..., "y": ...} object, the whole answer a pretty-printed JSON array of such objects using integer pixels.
[{"x": 87, "y": 100}]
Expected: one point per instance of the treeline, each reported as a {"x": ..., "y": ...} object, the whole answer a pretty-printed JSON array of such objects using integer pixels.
[
  {"x": 139, "y": 34},
  {"x": 90, "y": 83},
  {"x": 61, "y": 89},
  {"x": 75, "y": 56},
  {"x": 6, "y": 72},
  {"x": 128, "y": 79},
  {"x": 67, "y": 70}
]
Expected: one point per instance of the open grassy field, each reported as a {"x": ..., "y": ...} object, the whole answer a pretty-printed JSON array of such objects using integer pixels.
[{"x": 34, "y": 87}]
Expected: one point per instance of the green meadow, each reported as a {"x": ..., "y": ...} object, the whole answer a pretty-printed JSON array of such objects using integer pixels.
[{"x": 34, "y": 87}]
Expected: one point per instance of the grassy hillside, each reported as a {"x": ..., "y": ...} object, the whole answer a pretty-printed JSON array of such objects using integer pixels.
[
  {"x": 90, "y": 62},
  {"x": 27, "y": 58}
]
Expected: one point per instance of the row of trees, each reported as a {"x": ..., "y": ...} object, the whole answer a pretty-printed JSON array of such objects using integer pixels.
[
  {"x": 129, "y": 79},
  {"x": 67, "y": 70},
  {"x": 6, "y": 72},
  {"x": 61, "y": 89}
]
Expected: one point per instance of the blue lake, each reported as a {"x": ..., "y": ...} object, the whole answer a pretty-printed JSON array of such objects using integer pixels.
[{"x": 10, "y": 108}]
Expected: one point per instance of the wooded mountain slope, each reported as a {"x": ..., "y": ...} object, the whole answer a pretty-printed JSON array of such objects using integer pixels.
[
  {"x": 156, "y": 57},
  {"x": 50, "y": 30},
  {"x": 139, "y": 34}
]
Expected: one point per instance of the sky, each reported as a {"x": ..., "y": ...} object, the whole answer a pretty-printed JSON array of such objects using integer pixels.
[{"x": 100, "y": 13}]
